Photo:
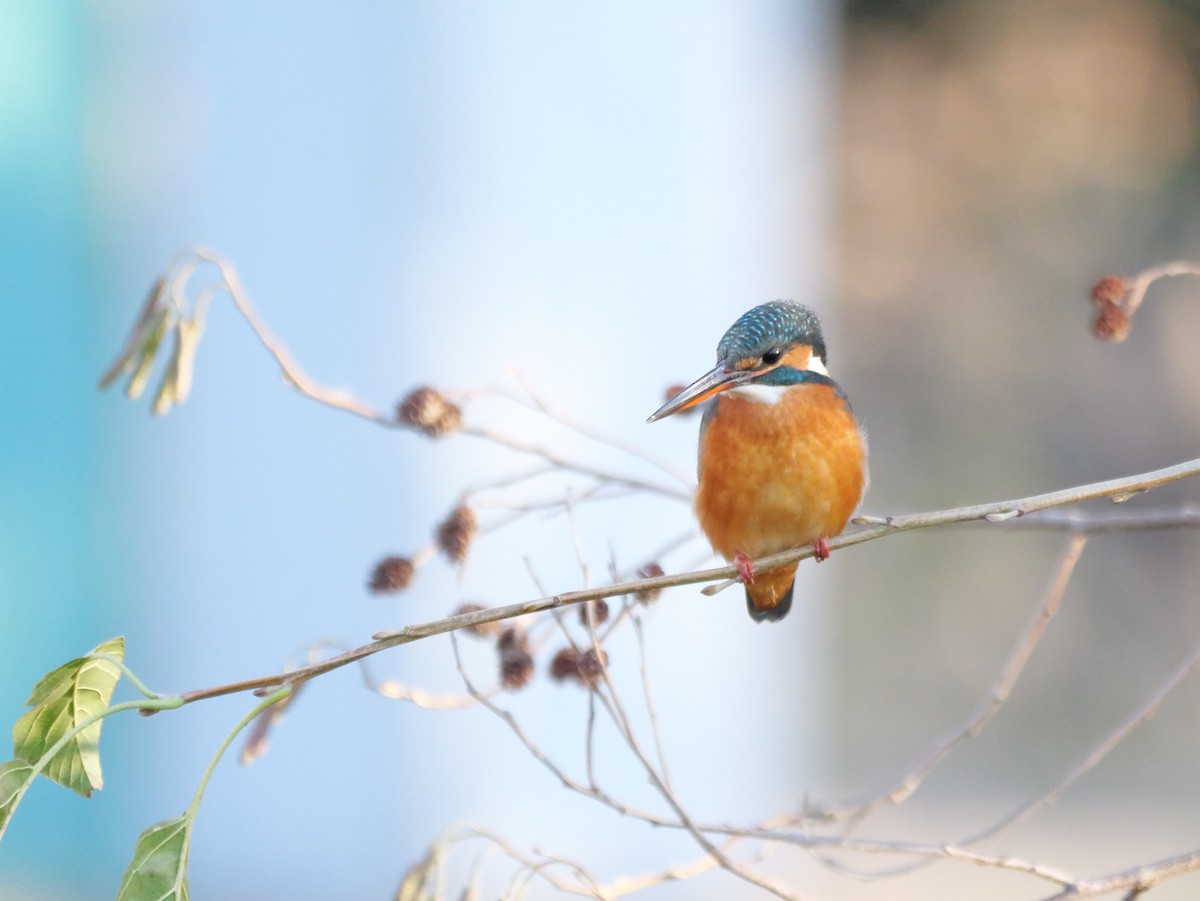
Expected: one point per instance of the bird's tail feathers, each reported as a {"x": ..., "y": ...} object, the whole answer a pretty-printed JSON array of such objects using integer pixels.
[{"x": 770, "y": 597}]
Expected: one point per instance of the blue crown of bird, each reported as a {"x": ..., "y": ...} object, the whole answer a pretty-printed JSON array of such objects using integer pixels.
[{"x": 782, "y": 460}]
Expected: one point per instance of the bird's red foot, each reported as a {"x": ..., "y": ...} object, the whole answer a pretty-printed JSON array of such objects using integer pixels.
[
  {"x": 745, "y": 568},
  {"x": 821, "y": 549}
]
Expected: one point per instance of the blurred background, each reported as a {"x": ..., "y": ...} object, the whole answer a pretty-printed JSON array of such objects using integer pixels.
[{"x": 591, "y": 194}]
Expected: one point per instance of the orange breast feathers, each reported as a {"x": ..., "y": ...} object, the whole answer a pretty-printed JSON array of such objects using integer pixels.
[{"x": 774, "y": 476}]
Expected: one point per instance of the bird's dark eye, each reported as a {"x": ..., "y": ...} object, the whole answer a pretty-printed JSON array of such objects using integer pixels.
[{"x": 771, "y": 357}]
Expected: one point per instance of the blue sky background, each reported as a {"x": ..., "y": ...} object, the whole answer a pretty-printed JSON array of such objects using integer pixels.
[{"x": 412, "y": 193}]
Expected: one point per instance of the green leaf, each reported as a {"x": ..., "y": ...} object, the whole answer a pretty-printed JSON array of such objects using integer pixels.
[
  {"x": 158, "y": 871},
  {"x": 15, "y": 776},
  {"x": 62, "y": 700}
]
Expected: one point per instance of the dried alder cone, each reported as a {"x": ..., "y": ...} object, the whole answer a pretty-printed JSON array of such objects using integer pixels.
[
  {"x": 1110, "y": 297},
  {"x": 456, "y": 532},
  {"x": 596, "y": 610},
  {"x": 516, "y": 663},
  {"x": 391, "y": 574},
  {"x": 429, "y": 412},
  {"x": 584, "y": 667}
]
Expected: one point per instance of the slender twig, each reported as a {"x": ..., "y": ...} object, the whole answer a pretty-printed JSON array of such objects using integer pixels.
[
  {"x": 555, "y": 459},
  {"x": 544, "y": 406},
  {"x": 590, "y": 741},
  {"x": 648, "y": 697},
  {"x": 289, "y": 369},
  {"x": 611, "y": 701},
  {"x": 1086, "y": 522},
  {"x": 1136, "y": 880},
  {"x": 1141, "y": 282},
  {"x": 540, "y": 756},
  {"x": 1102, "y": 750},
  {"x": 586, "y": 885}
]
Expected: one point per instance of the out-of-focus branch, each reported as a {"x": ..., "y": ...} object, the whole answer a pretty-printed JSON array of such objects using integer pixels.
[
  {"x": 1135, "y": 880},
  {"x": 1135, "y": 720},
  {"x": 1051, "y": 597}
]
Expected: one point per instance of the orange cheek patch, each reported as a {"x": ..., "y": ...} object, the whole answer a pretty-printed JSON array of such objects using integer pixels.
[{"x": 798, "y": 357}]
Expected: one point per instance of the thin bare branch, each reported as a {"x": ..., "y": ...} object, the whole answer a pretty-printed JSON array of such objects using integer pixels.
[
  {"x": 539, "y": 755},
  {"x": 1135, "y": 880},
  {"x": 648, "y": 697},
  {"x": 1102, "y": 750},
  {"x": 1000, "y": 691}
]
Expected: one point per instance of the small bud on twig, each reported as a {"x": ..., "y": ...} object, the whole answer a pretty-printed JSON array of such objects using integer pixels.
[
  {"x": 480, "y": 630},
  {"x": 428, "y": 411},
  {"x": 391, "y": 574},
  {"x": 455, "y": 533}
]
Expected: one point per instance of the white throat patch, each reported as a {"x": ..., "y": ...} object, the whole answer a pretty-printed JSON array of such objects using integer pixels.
[
  {"x": 773, "y": 394},
  {"x": 762, "y": 394}
]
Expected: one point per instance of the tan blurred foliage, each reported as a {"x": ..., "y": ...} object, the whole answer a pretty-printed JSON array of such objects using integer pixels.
[
  {"x": 993, "y": 114},
  {"x": 994, "y": 159}
]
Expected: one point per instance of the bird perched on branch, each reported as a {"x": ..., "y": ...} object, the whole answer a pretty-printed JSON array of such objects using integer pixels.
[{"x": 783, "y": 462}]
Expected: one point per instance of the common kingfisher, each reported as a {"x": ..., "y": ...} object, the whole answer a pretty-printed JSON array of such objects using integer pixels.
[{"x": 783, "y": 461}]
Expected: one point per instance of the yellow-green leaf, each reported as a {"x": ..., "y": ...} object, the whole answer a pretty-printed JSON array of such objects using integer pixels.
[
  {"x": 420, "y": 882},
  {"x": 62, "y": 700},
  {"x": 141, "y": 327},
  {"x": 158, "y": 871},
  {"x": 177, "y": 381},
  {"x": 15, "y": 776},
  {"x": 143, "y": 359}
]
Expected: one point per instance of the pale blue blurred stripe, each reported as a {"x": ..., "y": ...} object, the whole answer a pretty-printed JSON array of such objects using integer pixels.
[{"x": 412, "y": 191}]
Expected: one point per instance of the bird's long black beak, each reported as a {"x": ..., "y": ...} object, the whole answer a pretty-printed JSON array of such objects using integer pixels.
[{"x": 714, "y": 381}]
